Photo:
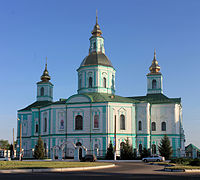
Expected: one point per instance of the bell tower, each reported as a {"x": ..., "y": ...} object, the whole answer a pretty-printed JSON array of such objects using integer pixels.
[
  {"x": 154, "y": 78},
  {"x": 45, "y": 87}
]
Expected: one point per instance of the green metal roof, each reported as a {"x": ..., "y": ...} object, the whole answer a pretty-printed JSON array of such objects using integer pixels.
[
  {"x": 39, "y": 104},
  {"x": 104, "y": 97},
  {"x": 157, "y": 99},
  {"x": 190, "y": 147}
]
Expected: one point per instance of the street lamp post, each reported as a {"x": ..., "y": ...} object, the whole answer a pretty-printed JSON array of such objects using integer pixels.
[{"x": 115, "y": 147}]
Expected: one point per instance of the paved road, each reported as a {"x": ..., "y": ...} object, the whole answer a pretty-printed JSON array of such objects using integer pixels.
[{"x": 121, "y": 171}]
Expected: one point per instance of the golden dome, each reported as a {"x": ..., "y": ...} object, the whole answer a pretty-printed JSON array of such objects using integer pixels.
[
  {"x": 45, "y": 76},
  {"x": 96, "y": 30},
  {"x": 154, "y": 68}
]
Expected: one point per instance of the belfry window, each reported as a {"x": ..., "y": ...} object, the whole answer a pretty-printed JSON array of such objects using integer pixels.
[
  {"x": 94, "y": 45},
  {"x": 80, "y": 83},
  {"x": 122, "y": 122},
  {"x": 139, "y": 125},
  {"x": 153, "y": 126},
  {"x": 163, "y": 126},
  {"x": 104, "y": 82},
  {"x": 154, "y": 84},
  {"x": 42, "y": 91},
  {"x": 78, "y": 122},
  {"x": 90, "y": 82}
]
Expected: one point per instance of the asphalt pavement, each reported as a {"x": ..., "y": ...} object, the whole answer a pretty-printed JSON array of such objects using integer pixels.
[{"x": 122, "y": 170}]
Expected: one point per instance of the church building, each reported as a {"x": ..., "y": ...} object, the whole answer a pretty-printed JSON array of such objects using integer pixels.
[{"x": 96, "y": 116}]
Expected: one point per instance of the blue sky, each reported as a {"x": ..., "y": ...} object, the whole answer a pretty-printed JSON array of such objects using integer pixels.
[{"x": 59, "y": 29}]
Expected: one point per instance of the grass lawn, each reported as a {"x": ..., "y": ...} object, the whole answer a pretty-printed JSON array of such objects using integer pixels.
[{"x": 45, "y": 164}]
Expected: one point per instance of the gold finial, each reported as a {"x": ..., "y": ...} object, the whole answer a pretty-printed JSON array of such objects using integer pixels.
[
  {"x": 96, "y": 17},
  {"x": 96, "y": 30},
  {"x": 154, "y": 54},
  {"x": 45, "y": 76},
  {"x": 154, "y": 68}
]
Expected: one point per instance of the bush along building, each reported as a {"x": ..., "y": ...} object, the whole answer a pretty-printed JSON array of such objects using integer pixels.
[{"x": 87, "y": 119}]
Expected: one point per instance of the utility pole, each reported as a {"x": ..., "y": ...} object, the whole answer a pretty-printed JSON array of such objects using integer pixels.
[
  {"x": 20, "y": 139},
  {"x": 115, "y": 157},
  {"x": 13, "y": 143}
]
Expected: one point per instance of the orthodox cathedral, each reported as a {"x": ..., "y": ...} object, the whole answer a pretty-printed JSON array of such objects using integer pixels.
[{"x": 95, "y": 116}]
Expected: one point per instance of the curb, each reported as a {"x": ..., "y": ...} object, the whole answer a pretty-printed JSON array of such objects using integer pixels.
[
  {"x": 182, "y": 170},
  {"x": 174, "y": 170},
  {"x": 54, "y": 169}
]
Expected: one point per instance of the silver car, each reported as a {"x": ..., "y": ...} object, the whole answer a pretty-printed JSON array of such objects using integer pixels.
[
  {"x": 4, "y": 158},
  {"x": 155, "y": 158}
]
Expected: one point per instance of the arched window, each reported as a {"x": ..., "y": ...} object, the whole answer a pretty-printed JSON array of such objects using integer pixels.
[
  {"x": 104, "y": 82},
  {"x": 163, "y": 126},
  {"x": 139, "y": 125},
  {"x": 90, "y": 82},
  {"x": 94, "y": 45},
  {"x": 96, "y": 146},
  {"x": 122, "y": 122},
  {"x": 42, "y": 91},
  {"x": 36, "y": 128},
  {"x": 80, "y": 83},
  {"x": 96, "y": 121},
  {"x": 154, "y": 84},
  {"x": 122, "y": 145},
  {"x": 79, "y": 122},
  {"x": 153, "y": 126},
  {"x": 62, "y": 124},
  {"x": 45, "y": 124},
  {"x": 78, "y": 144},
  {"x": 140, "y": 148},
  {"x": 153, "y": 149}
]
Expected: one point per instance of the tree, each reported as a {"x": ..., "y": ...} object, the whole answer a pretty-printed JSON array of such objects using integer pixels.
[
  {"x": 4, "y": 144},
  {"x": 165, "y": 148},
  {"x": 110, "y": 152},
  {"x": 39, "y": 149},
  {"x": 144, "y": 153},
  {"x": 126, "y": 150}
]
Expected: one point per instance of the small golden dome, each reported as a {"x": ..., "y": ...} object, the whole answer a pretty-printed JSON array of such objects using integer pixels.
[
  {"x": 96, "y": 30},
  {"x": 45, "y": 76},
  {"x": 154, "y": 68}
]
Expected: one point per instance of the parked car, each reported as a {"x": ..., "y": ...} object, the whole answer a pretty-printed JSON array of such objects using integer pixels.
[
  {"x": 2, "y": 158},
  {"x": 153, "y": 159},
  {"x": 89, "y": 157}
]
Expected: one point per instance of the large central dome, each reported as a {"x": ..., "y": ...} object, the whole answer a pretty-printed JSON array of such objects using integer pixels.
[{"x": 96, "y": 59}]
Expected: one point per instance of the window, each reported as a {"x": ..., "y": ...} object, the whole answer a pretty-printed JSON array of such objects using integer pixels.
[
  {"x": 140, "y": 126},
  {"x": 96, "y": 121},
  {"x": 94, "y": 45},
  {"x": 153, "y": 126},
  {"x": 154, "y": 84},
  {"x": 45, "y": 124},
  {"x": 90, "y": 82},
  {"x": 36, "y": 128},
  {"x": 62, "y": 124},
  {"x": 79, "y": 122},
  {"x": 96, "y": 146},
  {"x": 153, "y": 149},
  {"x": 42, "y": 91},
  {"x": 163, "y": 126},
  {"x": 80, "y": 83},
  {"x": 78, "y": 144},
  {"x": 104, "y": 82},
  {"x": 122, "y": 122},
  {"x": 140, "y": 148}
]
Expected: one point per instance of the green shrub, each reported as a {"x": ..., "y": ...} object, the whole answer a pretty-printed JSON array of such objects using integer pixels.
[
  {"x": 195, "y": 162},
  {"x": 183, "y": 161}
]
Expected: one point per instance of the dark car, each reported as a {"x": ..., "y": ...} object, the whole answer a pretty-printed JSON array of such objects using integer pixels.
[{"x": 89, "y": 158}]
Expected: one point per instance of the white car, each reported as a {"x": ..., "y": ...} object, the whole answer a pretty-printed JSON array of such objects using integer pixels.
[
  {"x": 153, "y": 159},
  {"x": 4, "y": 158}
]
